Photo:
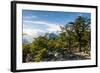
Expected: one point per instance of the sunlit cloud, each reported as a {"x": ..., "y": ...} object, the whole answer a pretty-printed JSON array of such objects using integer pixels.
[
  {"x": 30, "y": 34},
  {"x": 51, "y": 27}
]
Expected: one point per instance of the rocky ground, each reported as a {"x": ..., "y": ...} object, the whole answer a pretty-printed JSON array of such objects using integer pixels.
[{"x": 60, "y": 57}]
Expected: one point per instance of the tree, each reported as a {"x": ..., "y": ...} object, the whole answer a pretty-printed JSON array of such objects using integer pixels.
[
  {"x": 81, "y": 27},
  {"x": 67, "y": 30},
  {"x": 26, "y": 50}
]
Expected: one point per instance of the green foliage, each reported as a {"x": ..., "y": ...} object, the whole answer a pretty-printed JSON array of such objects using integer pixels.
[
  {"x": 26, "y": 50},
  {"x": 40, "y": 55}
]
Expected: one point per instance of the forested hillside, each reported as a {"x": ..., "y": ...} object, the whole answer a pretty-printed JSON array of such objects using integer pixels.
[{"x": 73, "y": 42}]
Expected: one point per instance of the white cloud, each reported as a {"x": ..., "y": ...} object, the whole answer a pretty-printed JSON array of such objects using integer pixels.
[
  {"x": 52, "y": 27},
  {"x": 35, "y": 22},
  {"x": 30, "y": 34},
  {"x": 33, "y": 32},
  {"x": 30, "y": 17}
]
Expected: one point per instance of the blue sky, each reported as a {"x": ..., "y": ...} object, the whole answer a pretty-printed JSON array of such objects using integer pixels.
[{"x": 37, "y": 23}]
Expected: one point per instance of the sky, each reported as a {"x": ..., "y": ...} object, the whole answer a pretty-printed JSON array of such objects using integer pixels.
[{"x": 37, "y": 23}]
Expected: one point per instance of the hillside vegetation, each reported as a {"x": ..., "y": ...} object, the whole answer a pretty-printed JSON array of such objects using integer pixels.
[{"x": 72, "y": 43}]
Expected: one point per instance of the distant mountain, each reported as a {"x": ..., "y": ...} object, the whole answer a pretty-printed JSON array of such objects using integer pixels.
[
  {"x": 25, "y": 41},
  {"x": 52, "y": 35}
]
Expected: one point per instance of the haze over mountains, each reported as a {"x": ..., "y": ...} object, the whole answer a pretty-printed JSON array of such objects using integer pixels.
[{"x": 28, "y": 39}]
